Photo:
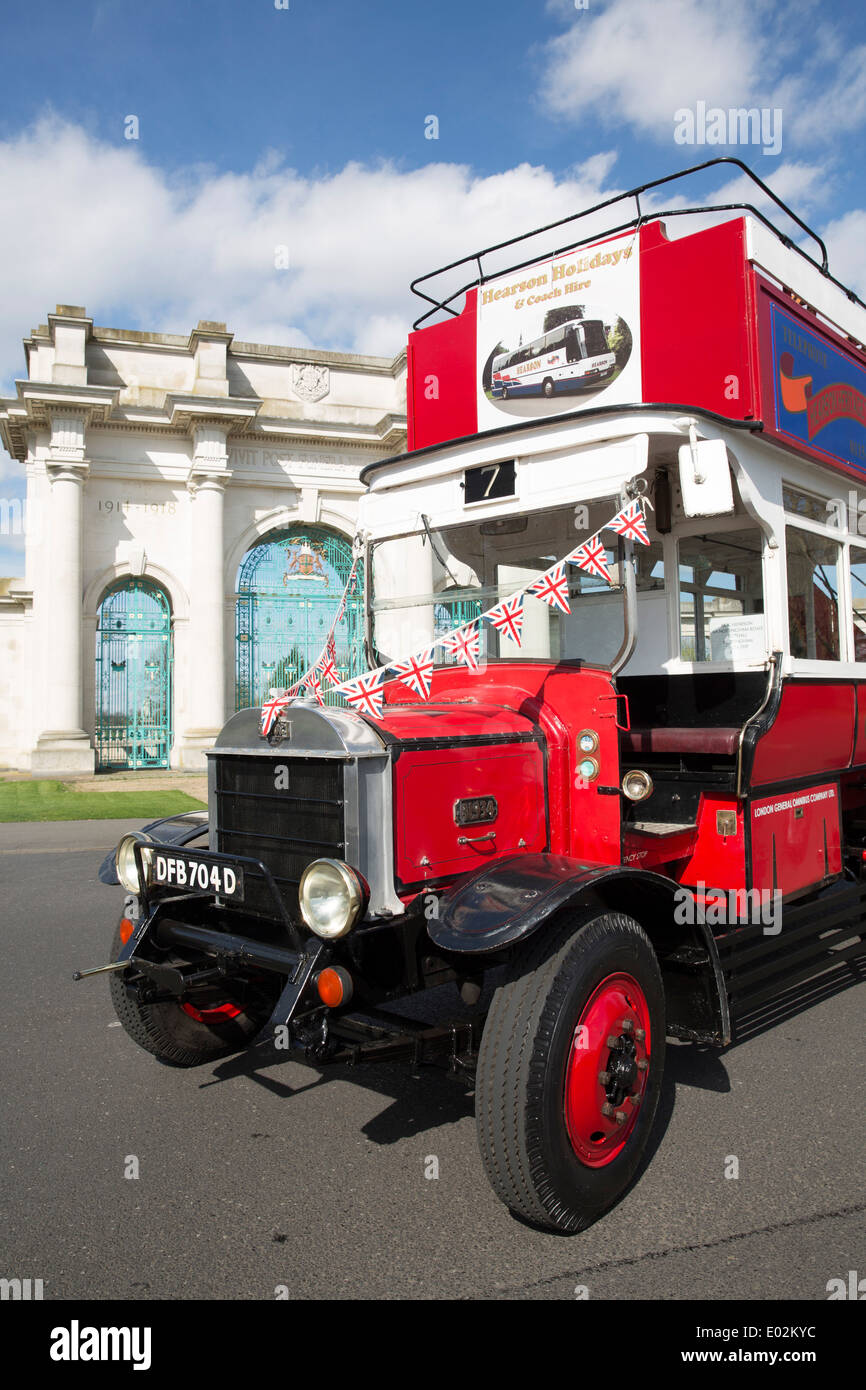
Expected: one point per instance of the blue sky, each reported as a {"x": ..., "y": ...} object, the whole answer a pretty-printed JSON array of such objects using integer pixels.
[{"x": 305, "y": 127}]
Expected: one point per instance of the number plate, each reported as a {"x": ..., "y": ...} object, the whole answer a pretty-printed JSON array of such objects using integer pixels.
[{"x": 196, "y": 875}]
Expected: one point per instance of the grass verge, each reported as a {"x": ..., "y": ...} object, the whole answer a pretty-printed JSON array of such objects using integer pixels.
[{"x": 50, "y": 800}]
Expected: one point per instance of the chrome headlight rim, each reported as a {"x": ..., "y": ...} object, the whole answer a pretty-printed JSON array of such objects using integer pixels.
[
  {"x": 357, "y": 897},
  {"x": 646, "y": 783},
  {"x": 124, "y": 859}
]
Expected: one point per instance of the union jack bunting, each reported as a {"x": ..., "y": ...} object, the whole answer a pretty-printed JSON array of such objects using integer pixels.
[
  {"x": 630, "y": 522},
  {"x": 553, "y": 588},
  {"x": 507, "y": 617},
  {"x": 591, "y": 557},
  {"x": 314, "y": 685},
  {"x": 464, "y": 645},
  {"x": 328, "y": 669},
  {"x": 271, "y": 708},
  {"x": 353, "y": 577},
  {"x": 417, "y": 672},
  {"x": 331, "y": 646},
  {"x": 365, "y": 693}
]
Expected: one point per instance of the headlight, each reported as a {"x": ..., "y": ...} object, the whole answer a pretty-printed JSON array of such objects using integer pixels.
[
  {"x": 127, "y": 869},
  {"x": 332, "y": 897},
  {"x": 637, "y": 785}
]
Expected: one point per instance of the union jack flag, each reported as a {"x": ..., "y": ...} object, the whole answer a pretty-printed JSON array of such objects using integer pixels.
[
  {"x": 314, "y": 685},
  {"x": 507, "y": 617},
  {"x": 417, "y": 672},
  {"x": 331, "y": 646},
  {"x": 464, "y": 645},
  {"x": 630, "y": 522},
  {"x": 553, "y": 588},
  {"x": 591, "y": 557},
  {"x": 328, "y": 669},
  {"x": 271, "y": 708},
  {"x": 365, "y": 693}
]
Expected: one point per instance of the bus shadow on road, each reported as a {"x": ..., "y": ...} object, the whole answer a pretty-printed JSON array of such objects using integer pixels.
[{"x": 422, "y": 1098}]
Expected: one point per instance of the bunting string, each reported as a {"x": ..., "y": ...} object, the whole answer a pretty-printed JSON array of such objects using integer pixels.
[{"x": 365, "y": 692}]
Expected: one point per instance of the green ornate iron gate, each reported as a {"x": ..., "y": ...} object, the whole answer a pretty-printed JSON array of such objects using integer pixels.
[
  {"x": 133, "y": 677},
  {"x": 289, "y": 589}
]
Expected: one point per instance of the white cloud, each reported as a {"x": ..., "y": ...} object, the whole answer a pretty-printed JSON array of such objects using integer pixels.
[
  {"x": 94, "y": 224},
  {"x": 636, "y": 64},
  {"x": 846, "y": 240}
]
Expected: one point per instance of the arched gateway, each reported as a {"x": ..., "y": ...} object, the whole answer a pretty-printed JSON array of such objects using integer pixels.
[
  {"x": 133, "y": 677},
  {"x": 289, "y": 589}
]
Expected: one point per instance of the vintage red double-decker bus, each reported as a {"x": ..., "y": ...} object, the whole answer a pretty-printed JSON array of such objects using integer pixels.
[{"x": 607, "y": 771}]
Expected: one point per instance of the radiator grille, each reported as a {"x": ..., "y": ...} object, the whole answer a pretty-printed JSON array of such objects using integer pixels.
[{"x": 284, "y": 827}]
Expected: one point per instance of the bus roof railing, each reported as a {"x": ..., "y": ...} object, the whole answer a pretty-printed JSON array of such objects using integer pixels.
[{"x": 482, "y": 276}]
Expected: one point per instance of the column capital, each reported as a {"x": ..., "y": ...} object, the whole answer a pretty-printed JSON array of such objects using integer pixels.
[
  {"x": 210, "y": 455},
  {"x": 68, "y": 436}
]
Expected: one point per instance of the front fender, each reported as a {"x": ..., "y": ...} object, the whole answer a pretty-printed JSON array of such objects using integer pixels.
[
  {"x": 510, "y": 900},
  {"x": 170, "y": 830},
  {"x": 504, "y": 904}
]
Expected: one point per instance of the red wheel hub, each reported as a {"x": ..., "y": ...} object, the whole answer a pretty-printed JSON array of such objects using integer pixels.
[
  {"x": 607, "y": 1069},
  {"x": 217, "y": 1013}
]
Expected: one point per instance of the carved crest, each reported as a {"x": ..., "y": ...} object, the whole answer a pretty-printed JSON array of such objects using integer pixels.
[{"x": 309, "y": 381}]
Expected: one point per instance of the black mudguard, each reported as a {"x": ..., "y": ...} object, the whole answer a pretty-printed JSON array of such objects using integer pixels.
[
  {"x": 506, "y": 903},
  {"x": 170, "y": 830}
]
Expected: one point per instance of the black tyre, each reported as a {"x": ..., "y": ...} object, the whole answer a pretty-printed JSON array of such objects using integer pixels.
[
  {"x": 569, "y": 1070},
  {"x": 548, "y": 388},
  {"x": 505, "y": 393},
  {"x": 202, "y": 1027}
]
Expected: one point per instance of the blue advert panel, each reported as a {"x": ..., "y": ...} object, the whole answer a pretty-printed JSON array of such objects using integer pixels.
[{"x": 819, "y": 393}]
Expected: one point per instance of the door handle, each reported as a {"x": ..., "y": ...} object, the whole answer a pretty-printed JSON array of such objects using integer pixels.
[{"x": 465, "y": 839}]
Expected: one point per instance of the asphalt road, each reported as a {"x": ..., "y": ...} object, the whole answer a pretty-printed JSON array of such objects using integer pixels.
[{"x": 315, "y": 1179}]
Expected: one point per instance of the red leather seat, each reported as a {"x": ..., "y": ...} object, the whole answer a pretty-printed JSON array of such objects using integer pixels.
[{"x": 719, "y": 742}]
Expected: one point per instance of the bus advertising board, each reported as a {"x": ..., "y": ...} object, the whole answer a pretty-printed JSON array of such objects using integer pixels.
[{"x": 561, "y": 334}]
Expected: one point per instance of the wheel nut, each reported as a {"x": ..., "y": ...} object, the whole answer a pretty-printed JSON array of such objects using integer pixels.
[
  {"x": 604, "y": 1078},
  {"x": 642, "y": 1064},
  {"x": 626, "y": 1025},
  {"x": 621, "y": 1117},
  {"x": 607, "y": 1110},
  {"x": 640, "y": 1034}
]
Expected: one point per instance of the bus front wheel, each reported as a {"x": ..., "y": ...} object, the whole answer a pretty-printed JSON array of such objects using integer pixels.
[
  {"x": 548, "y": 388},
  {"x": 570, "y": 1068}
]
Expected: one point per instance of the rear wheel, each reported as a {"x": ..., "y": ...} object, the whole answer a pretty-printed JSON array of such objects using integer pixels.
[
  {"x": 569, "y": 1071},
  {"x": 209, "y": 1023},
  {"x": 548, "y": 388}
]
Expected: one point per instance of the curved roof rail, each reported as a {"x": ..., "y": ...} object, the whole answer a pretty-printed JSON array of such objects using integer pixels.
[{"x": 444, "y": 305}]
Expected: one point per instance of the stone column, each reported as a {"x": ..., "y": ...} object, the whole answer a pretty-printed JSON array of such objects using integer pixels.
[
  {"x": 63, "y": 746},
  {"x": 207, "y": 484}
]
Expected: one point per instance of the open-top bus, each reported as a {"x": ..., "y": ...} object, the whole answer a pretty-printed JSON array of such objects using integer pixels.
[
  {"x": 570, "y": 357},
  {"x": 637, "y": 813}
]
